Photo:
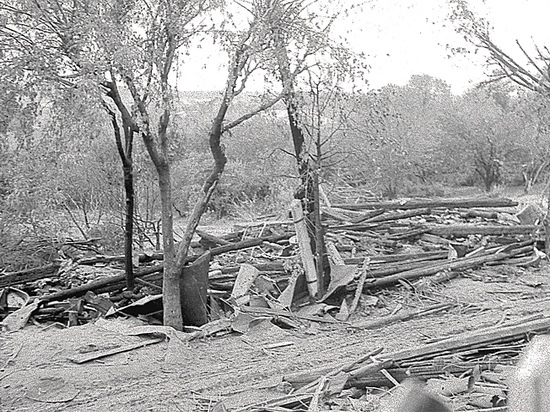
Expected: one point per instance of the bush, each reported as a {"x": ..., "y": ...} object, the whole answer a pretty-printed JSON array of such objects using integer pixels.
[{"x": 238, "y": 189}]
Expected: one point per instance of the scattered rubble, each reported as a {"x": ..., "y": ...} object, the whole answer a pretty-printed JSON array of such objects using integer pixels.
[{"x": 258, "y": 273}]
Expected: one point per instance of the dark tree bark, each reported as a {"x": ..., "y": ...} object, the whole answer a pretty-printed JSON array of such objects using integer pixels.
[
  {"x": 306, "y": 191},
  {"x": 125, "y": 153}
]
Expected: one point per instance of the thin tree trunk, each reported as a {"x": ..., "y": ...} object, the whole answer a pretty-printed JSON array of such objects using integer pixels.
[
  {"x": 546, "y": 222},
  {"x": 319, "y": 238},
  {"x": 298, "y": 139},
  {"x": 171, "y": 279},
  {"x": 129, "y": 225},
  {"x": 125, "y": 154}
]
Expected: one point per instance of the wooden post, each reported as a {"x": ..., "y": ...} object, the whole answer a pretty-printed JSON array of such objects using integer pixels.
[
  {"x": 319, "y": 236},
  {"x": 305, "y": 248}
]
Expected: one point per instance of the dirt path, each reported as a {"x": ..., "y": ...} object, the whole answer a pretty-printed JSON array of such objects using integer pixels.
[{"x": 36, "y": 373}]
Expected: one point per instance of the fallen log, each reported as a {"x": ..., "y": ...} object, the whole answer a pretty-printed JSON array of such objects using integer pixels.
[
  {"x": 117, "y": 282},
  {"x": 244, "y": 244},
  {"x": 398, "y": 215},
  {"x": 262, "y": 267},
  {"x": 457, "y": 264},
  {"x": 359, "y": 227},
  {"x": 143, "y": 258},
  {"x": 472, "y": 213},
  {"x": 368, "y": 215},
  {"x": 226, "y": 247},
  {"x": 466, "y": 230},
  {"x": 28, "y": 275},
  {"x": 81, "y": 290},
  {"x": 432, "y": 203},
  {"x": 367, "y": 360},
  {"x": 208, "y": 238},
  {"x": 398, "y": 257},
  {"x": 334, "y": 215},
  {"x": 409, "y": 233},
  {"x": 284, "y": 313}
]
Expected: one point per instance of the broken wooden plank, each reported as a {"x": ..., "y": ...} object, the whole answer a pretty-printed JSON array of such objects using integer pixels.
[
  {"x": 471, "y": 340},
  {"x": 333, "y": 255},
  {"x": 367, "y": 215},
  {"x": 304, "y": 244},
  {"x": 244, "y": 281},
  {"x": 102, "y": 354},
  {"x": 359, "y": 289},
  {"x": 28, "y": 275},
  {"x": 432, "y": 203}
]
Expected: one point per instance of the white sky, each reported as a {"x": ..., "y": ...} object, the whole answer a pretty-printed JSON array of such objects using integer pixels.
[{"x": 406, "y": 37}]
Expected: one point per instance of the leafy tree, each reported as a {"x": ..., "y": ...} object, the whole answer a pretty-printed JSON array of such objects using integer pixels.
[
  {"x": 123, "y": 55},
  {"x": 73, "y": 45},
  {"x": 399, "y": 134},
  {"x": 530, "y": 70},
  {"x": 481, "y": 133},
  {"x": 534, "y": 140}
]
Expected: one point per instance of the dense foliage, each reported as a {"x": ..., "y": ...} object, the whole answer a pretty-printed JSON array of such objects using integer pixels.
[
  {"x": 60, "y": 173},
  {"x": 400, "y": 140}
]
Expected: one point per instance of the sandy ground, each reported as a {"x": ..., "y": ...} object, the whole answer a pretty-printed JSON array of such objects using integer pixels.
[{"x": 37, "y": 373}]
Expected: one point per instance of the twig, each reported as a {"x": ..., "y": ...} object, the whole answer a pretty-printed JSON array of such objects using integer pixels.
[
  {"x": 11, "y": 358},
  {"x": 55, "y": 401},
  {"x": 371, "y": 324},
  {"x": 126, "y": 348},
  {"x": 314, "y": 404}
]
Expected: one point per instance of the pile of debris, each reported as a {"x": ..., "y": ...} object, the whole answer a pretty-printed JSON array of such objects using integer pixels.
[
  {"x": 471, "y": 369},
  {"x": 370, "y": 246},
  {"x": 258, "y": 271}
]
